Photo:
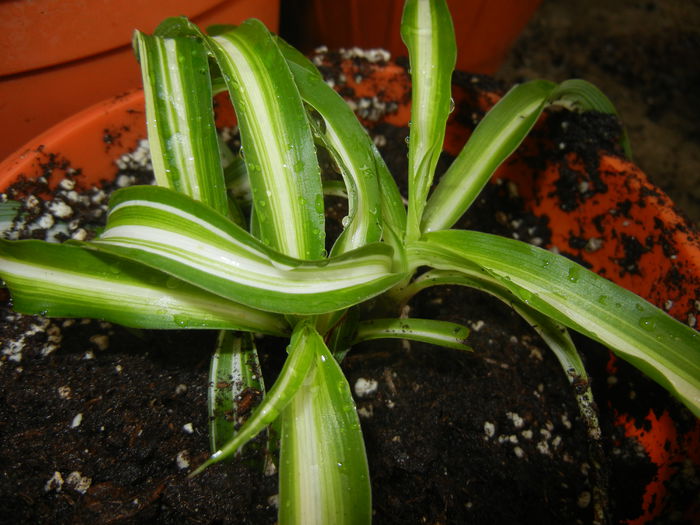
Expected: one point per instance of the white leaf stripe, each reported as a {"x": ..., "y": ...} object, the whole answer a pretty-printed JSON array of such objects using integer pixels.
[
  {"x": 111, "y": 292},
  {"x": 665, "y": 349},
  {"x": 320, "y": 428},
  {"x": 219, "y": 256},
  {"x": 181, "y": 130},
  {"x": 351, "y": 147},
  {"x": 279, "y": 151},
  {"x": 497, "y": 135}
]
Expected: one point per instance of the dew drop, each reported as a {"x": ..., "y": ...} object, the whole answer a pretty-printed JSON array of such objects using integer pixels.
[
  {"x": 181, "y": 320},
  {"x": 574, "y": 274},
  {"x": 648, "y": 323},
  {"x": 452, "y": 104},
  {"x": 525, "y": 295},
  {"x": 346, "y": 221},
  {"x": 319, "y": 205}
]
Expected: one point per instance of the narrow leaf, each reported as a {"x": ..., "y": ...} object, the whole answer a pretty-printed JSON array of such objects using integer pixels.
[
  {"x": 61, "y": 280},
  {"x": 426, "y": 29},
  {"x": 498, "y": 134},
  {"x": 553, "y": 334},
  {"x": 661, "y": 347},
  {"x": 235, "y": 385},
  {"x": 276, "y": 140},
  {"x": 580, "y": 95},
  {"x": 181, "y": 132},
  {"x": 337, "y": 128},
  {"x": 324, "y": 476},
  {"x": 295, "y": 370},
  {"x": 441, "y": 333},
  {"x": 170, "y": 232}
]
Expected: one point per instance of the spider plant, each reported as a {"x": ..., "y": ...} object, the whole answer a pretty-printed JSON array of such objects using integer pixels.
[{"x": 237, "y": 244}]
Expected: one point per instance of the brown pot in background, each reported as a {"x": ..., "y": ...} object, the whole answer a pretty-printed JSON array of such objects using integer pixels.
[
  {"x": 485, "y": 29},
  {"x": 60, "y": 56}
]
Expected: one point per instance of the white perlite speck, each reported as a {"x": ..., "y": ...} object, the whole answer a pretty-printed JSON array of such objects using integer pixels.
[
  {"x": 584, "y": 499},
  {"x": 77, "y": 420},
  {"x": 78, "y": 482},
  {"x": 516, "y": 419},
  {"x": 565, "y": 421},
  {"x": 182, "y": 460},
  {"x": 489, "y": 429},
  {"x": 365, "y": 387},
  {"x": 55, "y": 482},
  {"x": 67, "y": 184},
  {"x": 187, "y": 427},
  {"x": 101, "y": 341},
  {"x": 64, "y": 392},
  {"x": 60, "y": 209}
]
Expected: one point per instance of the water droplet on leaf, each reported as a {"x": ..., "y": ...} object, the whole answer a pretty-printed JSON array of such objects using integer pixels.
[
  {"x": 648, "y": 323},
  {"x": 574, "y": 274}
]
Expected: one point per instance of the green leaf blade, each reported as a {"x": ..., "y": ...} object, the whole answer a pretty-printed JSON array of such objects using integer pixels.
[
  {"x": 61, "y": 280},
  {"x": 235, "y": 385},
  {"x": 276, "y": 140},
  {"x": 498, "y": 134},
  {"x": 581, "y": 95},
  {"x": 441, "y": 333},
  {"x": 352, "y": 149},
  {"x": 427, "y": 31},
  {"x": 168, "y": 231},
  {"x": 661, "y": 347},
  {"x": 181, "y": 131},
  {"x": 324, "y": 476}
]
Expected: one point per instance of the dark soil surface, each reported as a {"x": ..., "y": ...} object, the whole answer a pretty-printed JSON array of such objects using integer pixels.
[{"x": 101, "y": 424}]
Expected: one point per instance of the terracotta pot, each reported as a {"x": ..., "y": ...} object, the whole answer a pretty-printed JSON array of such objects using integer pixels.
[
  {"x": 485, "y": 29},
  {"x": 613, "y": 204},
  {"x": 60, "y": 56}
]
